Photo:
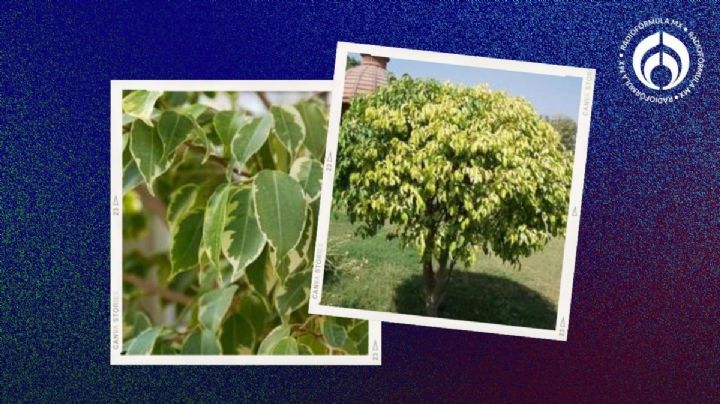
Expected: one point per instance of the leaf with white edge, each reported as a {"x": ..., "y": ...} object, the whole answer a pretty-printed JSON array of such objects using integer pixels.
[
  {"x": 250, "y": 138},
  {"x": 242, "y": 240},
  {"x": 316, "y": 346},
  {"x": 147, "y": 150},
  {"x": 139, "y": 104},
  {"x": 201, "y": 342},
  {"x": 295, "y": 293},
  {"x": 227, "y": 124},
  {"x": 186, "y": 235},
  {"x": 308, "y": 172},
  {"x": 304, "y": 350},
  {"x": 131, "y": 174},
  {"x": 289, "y": 126},
  {"x": 143, "y": 344},
  {"x": 193, "y": 110},
  {"x": 335, "y": 334},
  {"x": 173, "y": 129},
  {"x": 135, "y": 323},
  {"x": 215, "y": 219},
  {"x": 268, "y": 344},
  {"x": 238, "y": 335},
  {"x": 181, "y": 201},
  {"x": 359, "y": 335},
  {"x": 214, "y": 305},
  {"x": 281, "y": 209},
  {"x": 286, "y": 346},
  {"x": 315, "y": 128}
]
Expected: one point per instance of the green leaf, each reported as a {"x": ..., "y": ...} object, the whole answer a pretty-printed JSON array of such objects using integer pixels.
[
  {"x": 227, "y": 124},
  {"x": 315, "y": 128},
  {"x": 131, "y": 174},
  {"x": 272, "y": 339},
  {"x": 304, "y": 350},
  {"x": 147, "y": 150},
  {"x": 201, "y": 342},
  {"x": 242, "y": 240},
  {"x": 281, "y": 209},
  {"x": 309, "y": 173},
  {"x": 359, "y": 335},
  {"x": 312, "y": 342},
  {"x": 334, "y": 334},
  {"x": 251, "y": 138},
  {"x": 238, "y": 335},
  {"x": 193, "y": 110},
  {"x": 252, "y": 308},
  {"x": 139, "y": 104},
  {"x": 295, "y": 293},
  {"x": 181, "y": 201},
  {"x": 289, "y": 126},
  {"x": 173, "y": 129},
  {"x": 214, "y": 305},
  {"x": 215, "y": 218},
  {"x": 136, "y": 322},
  {"x": 143, "y": 344},
  {"x": 286, "y": 346},
  {"x": 186, "y": 234},
  {"x": 261, "y": 274}
]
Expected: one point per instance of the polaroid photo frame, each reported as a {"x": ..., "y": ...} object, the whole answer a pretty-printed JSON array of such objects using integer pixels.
[
  {"x": 116, "y": 249},
  {"x": 586, "y": 76}
]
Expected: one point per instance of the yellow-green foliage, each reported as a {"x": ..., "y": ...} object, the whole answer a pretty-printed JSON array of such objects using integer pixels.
[{"x": 471, "y": 167}]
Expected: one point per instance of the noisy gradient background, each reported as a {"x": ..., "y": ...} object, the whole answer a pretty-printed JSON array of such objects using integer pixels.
[{"x": 646, "y": 299}]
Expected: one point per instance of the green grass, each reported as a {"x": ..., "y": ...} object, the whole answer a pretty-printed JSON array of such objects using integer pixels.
[{"x": 377, "y": 274}]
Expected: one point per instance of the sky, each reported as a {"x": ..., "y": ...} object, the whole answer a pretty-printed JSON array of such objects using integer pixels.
[{"x": 550, "y": 95}]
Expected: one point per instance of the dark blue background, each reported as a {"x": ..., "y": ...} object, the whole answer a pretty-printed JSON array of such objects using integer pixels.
[{"x": 646, "y": 298}]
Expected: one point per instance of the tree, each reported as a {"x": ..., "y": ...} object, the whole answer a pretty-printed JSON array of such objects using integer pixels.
[
  {"x": 351, "y": 62},
  {"x": 238, "y": 196},
  {"x": 566, "y": 127},
  {"x": 452, "y": 170}
]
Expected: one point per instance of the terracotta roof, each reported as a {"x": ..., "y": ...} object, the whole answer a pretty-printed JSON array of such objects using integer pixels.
[{"x": 365, "y": 78}]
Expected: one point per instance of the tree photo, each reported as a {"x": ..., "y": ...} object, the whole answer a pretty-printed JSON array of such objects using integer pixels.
[
  {"x": 450, "y": 199},
  {"x": 220, "y": 200}
]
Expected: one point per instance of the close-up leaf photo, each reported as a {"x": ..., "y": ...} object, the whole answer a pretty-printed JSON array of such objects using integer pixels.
[{"x": 219, "y": 213}]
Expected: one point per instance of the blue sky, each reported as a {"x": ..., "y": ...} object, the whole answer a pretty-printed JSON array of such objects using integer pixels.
[{"x": 550, "y": 95}]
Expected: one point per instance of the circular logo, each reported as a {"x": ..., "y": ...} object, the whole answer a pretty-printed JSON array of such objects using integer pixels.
[{"x": 661, "y": 61}]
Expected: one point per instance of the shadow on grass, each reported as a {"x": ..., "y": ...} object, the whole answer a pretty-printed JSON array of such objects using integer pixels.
[{"x": 481, "y": 298}]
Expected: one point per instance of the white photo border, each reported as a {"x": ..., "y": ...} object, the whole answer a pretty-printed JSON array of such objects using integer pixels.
[
  {"x": 116, "y": 314},
  {"x": 573, "y": 224}
]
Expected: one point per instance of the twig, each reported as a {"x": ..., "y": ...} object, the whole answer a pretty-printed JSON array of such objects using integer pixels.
[
  {"x": 152, "y": 203},
  {"x": 151, "y": 289},
  {"x": 264, "y": 98}
]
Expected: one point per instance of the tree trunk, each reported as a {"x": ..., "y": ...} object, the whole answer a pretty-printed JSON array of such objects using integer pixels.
[{"x": 435, "y": 284}]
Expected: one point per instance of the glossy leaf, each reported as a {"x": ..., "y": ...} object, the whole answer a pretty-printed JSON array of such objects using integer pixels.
[
  {"x": 215, "y": 219},
  {"x": 139, "y": 104},
  {"x": 289, "y": 127},
  {"x": 315, "y": 128},
  {"x": 201, "y": 342},
  {"x": 181, "y": 201},
  {"x": 308, "y": 173},
  {"x": 185, "y": 238},
  {"x": 227, "y": 124},
  {"x": 214, "y": 305},
  {"x": 147, "y": 150},
  {"x": 242, "y": 240},
  {"x": 286, "y": 346},
  {"x": 261, "y": 274},
  {"x": 272, "y": 339},
  {"x": 144, "y": 343},
  {"x": 251, "y": 138},
  {"x": 295, "y": 293},
  {"x": 280, "y": 207},
  {"x": 173, "y": 129},
  {"x": 238, "y": 335},
  {"x": 335, "y": 334}
]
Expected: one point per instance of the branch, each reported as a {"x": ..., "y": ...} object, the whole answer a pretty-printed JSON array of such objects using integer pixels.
[
  {"x": 152, "y": 203},
  {"x": 151, "y": 289},
  {"x": 264, "y": 98}
]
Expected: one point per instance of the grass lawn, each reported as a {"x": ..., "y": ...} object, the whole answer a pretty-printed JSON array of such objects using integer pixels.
[{"x": 377, "y": 274}]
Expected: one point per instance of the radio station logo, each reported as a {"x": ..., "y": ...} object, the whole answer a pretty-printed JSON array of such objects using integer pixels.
[{"x": 661, "y": 60}]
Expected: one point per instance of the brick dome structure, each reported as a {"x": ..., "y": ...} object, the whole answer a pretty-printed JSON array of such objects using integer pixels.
[{"x": 371, "y": 74}]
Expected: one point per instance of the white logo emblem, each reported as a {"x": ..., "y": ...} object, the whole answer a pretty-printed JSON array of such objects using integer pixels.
[
  {"x": 678, "y": 68},
  {"x": 667, "y": 60}
]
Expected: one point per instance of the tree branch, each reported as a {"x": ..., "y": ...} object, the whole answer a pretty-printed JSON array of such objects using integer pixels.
[
  {"x": 152, "y": 203},
  {"x": 264, "y": 98},
  {"x": 152, "y": 290}
]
